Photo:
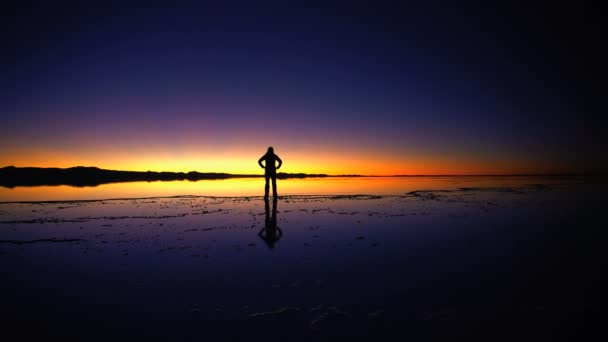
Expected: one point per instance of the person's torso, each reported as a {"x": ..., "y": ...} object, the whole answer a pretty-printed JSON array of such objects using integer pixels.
[{"x": 270, "y": 162}]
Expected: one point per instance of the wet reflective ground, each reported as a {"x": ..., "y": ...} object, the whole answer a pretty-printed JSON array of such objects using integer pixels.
[
  {"x": 239, "y": 187},
  {"x": 479, "y": 263}
]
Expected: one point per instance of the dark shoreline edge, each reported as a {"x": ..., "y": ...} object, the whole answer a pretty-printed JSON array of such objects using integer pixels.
[{"x": 81, "y": 176}]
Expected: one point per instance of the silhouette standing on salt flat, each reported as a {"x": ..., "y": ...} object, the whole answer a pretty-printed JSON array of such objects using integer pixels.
[
  {"x": 270, "y": 170},
  {"x": 270, "y": 233}
]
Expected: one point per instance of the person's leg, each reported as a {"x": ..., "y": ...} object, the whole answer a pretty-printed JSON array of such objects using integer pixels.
[
  {"x": 274, "y": 186},
  {"x": 267, "y": 207},
  {"x": 266, "y": 187}
]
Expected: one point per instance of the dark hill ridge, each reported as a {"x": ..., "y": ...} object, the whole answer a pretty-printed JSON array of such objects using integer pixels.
[{"x": 11, "y": 176}]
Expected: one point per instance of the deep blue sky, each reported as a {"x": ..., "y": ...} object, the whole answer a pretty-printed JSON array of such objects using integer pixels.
[{"x": 493, "y": 85}]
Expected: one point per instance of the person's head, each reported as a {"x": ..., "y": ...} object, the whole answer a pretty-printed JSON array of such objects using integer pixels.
[{"x": 270, "y": 150}]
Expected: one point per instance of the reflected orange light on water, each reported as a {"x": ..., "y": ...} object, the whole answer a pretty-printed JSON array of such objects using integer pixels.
[{"x": 255, "y": 186}]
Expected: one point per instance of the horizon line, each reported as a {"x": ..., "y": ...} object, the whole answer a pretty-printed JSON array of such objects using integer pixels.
[{"x": 236, "y": 175}]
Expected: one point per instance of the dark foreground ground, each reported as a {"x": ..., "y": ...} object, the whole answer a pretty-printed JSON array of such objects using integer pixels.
[{"x": 497, "y": 264}]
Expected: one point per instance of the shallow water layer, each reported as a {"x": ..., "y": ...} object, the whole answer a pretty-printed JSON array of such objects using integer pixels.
[
  {"x": 496, "y": 262},
  {"x": 254, "y": 187}
]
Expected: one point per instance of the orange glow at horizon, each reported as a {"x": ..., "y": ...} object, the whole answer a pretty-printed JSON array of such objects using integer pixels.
[{"x": 296, "y": 160}]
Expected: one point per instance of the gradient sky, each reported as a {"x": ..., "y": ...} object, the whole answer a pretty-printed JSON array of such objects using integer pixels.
[{"x": 401, "y": 89}]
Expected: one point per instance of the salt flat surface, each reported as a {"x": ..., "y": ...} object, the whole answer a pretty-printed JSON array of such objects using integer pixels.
[{"x": 473, "y": 262}]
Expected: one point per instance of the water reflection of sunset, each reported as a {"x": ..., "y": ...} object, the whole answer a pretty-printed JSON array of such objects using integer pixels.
[{"x": 254, "y": 187}]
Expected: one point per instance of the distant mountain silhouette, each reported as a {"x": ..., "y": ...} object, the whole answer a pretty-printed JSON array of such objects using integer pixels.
[{"x": 11, "y": 176}]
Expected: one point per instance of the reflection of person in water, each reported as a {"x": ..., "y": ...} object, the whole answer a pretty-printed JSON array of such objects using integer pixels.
[
  {"x": 270, "y": 169},
  {"x": 270, "y": 233}
]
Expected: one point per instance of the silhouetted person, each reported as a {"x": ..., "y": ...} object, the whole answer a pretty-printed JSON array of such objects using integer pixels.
[
  {"x": 270, "y": 168},
  {"x": 270, "y": 233}
]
